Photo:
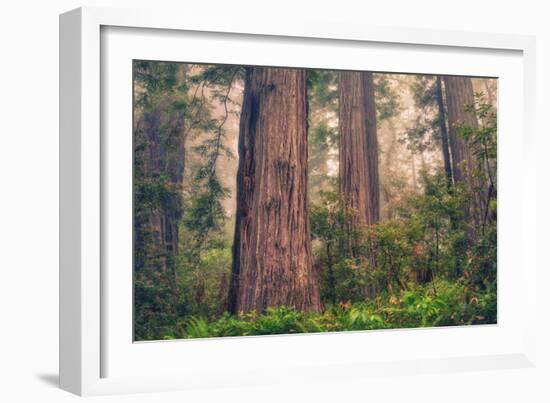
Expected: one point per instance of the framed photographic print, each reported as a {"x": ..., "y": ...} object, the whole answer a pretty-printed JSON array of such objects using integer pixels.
[{"x": 236, "y": 198}]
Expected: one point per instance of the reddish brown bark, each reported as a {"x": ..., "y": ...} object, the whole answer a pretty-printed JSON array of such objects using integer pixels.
[
  {"x": 358, "y": 167},
  {"x": 353, "y": 146},
  {"x": 272, "y": 258},
  {"x": 442, "y": 115},
  {"x": 372, "y": 149},
  {"x": 459, "y": 94},
  {"x": 358, "y": 153}
]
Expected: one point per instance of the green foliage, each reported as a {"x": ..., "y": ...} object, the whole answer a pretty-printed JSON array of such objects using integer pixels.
[
  {"x": 322, "y": 132},
  {"x": 159, "y": 111},
  {"x": 424, "y": 258},
  {"x": 386, "y": 99},
  {"x": 424, "y": 240},
  {"x": 425, "y": 133},
  {"x": 205, "y": 245},
  {"x": 342, "y": 273},
  {"x": 174, "y": 103},
  {"x": 482, "y": 141},
  {"x": 321, "y": 86},
  {"x": 154, "y": 80},
  {"x": 454, "y": 304}
]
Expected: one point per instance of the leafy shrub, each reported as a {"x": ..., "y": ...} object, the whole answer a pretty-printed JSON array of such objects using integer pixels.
[{"x": 440, "y": 304}]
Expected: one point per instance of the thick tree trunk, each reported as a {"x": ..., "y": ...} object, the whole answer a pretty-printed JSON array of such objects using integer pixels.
[
  {"x": 354, "y": 166},
  {"x": 459, "y": 94},
  {"x": 444, "y": 132},
  {"x": 358, "y": 153},
  {"x": 272, "y": 258}
]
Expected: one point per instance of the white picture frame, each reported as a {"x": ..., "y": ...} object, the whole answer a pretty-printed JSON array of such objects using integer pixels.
[{"x": 88, "y": 320}]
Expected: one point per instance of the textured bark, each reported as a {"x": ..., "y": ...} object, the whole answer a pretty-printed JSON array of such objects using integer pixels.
[
  {"x": 354, "y": 167},
  {"x": 358, "y": 153},
  {"x": 372, "y": 149},
  {"x": 444, "y": 132},
  {"x": 459, "y": 94},
  {"x": 272, "y": 257}
]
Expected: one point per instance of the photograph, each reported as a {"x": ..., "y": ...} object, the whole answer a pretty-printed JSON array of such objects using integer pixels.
[{"x": 274, "y": 200}]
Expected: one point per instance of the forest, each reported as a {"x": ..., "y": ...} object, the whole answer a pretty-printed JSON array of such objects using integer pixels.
[{"x": 274, "y": 200}]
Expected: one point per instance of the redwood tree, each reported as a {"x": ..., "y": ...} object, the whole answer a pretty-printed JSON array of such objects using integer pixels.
[
  {"x": 159, "y": 164},
  {"x": 459, "y": 94},
  {"x": 165, "y": 156},
  {"x": 358, "y": 147},
  {"x": 353, "y": 150},
  {"x": 441, "y": 117},
  {"x": 272, "y": 257},
  {"x": 372, "y": 149},
  {"x": 358, "y": 154}
]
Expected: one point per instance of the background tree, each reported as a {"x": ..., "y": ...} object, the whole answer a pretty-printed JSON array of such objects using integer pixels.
[
  {"x": 444, "y": 132},
  {"x": 159, "y": 162},
  {"x": 387, "y": 107},
  {"x": 358, "y": 159},
  {"x": 354, "y": 166},
  {"x": 372, "y": 148},
  {"x": 322, "y": 132},
  {"x": 273, "y": 263},
  {"x": 205, "y": 248},
  {"x": 459, "y": 95}
]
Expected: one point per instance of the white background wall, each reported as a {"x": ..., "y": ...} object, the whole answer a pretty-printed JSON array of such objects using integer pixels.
[{"x": 29, "y": 199}]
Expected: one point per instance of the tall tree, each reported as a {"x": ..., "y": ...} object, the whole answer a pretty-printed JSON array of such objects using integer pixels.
[
  {"x": 459, "y": 94},
  {"x": 353, "y": 148},
  {"x": 358, "y": 153},
  {"x": 430, "y": 130},
  {"x": 204, "y": 223},
  {"x": 358, "y": 147},
  {"x": 372, "y": 148},
  {"x": 441, "y": 117},
  {"x": 159, "y": 162},
  {"x": 164, "y": 164},
  {"x": 322, "y": 94},
  {"x": 272, "y": 257}
]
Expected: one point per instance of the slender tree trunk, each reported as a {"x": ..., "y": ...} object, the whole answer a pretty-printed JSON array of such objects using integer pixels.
[
  {"x": 389, "y": 158},
  {"x": 331, "y": 277},
  {"x": 490, "y": 96},
  {"x": 374, "y": 172},
  {"x": 413, "y": 170},
  {"x": 372, "y": 149},
  {"x": 423, "y": 165},
  {"x": 159, "y": 141},
  {"x": 459, "y": 93},
  {"x": 165, "y": 154},
  {"x": 272, "y": 258},
  {"x": 444, "y": 132}
]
